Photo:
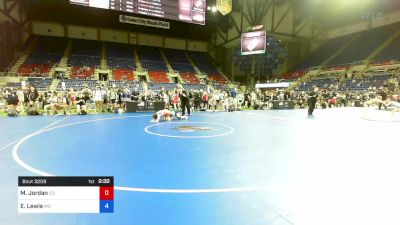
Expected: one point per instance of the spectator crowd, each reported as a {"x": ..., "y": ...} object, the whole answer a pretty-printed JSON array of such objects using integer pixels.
[{"x": 103, "y": 99}]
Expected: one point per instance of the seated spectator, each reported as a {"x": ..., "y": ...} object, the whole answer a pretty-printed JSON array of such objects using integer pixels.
[
  {"x": 81, "y": 104},
  {"x": 33, "y": 98},
  {"x": 12, "y": 102},
  {"x": 52, "y": 101}
]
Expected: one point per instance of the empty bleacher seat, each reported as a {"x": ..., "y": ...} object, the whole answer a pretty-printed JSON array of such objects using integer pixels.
[
  {"x": 131, "y": 85},
  {"x": 121, "y": 74},
  {"x": 85, "y": 54},
  {"x": 166, "y": 86},
  {"x": 179, "y": 61},
  {"x": 202, "y": 61},
  {"x": 151, "y": 59},
  {"x": 120, "y": 56},
  {"x": 48, "y": 51},
  {"x": 40, "y": 83},
  {"x": 391, "y": 52},
  {"x": 367, "y": 42},
  {"x": 190, "y": 78},
  {"x": 82, "y": 72},
  {"x": 34, "y": 70},
  {"x": 78, "y": 84},
  {"x": 158, "y": 77},
  {"x": 217, "y": 77},
  {"x": 195, "y": 87}
]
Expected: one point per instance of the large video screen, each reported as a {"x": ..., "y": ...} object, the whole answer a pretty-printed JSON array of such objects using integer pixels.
[
  {"x": 191, "y": 11},
  {"x": 253, "y": 42}
]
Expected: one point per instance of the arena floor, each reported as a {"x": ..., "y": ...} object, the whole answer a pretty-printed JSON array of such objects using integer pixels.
[{"x": 251, "y": 167}]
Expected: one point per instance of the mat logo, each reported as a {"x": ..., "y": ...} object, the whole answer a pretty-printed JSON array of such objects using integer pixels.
[{"x": 187, "y": 129}]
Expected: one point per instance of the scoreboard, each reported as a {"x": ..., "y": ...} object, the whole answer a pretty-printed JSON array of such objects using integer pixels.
[
  {"x": 191, "y": 11},
  {"x": 254, "y": 42},
  {"x": 65, "y": 194}
]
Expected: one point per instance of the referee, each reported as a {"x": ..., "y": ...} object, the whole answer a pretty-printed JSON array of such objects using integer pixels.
[
  {"x": 185, "y": 102},
  {"x": 312, "y": 100}
]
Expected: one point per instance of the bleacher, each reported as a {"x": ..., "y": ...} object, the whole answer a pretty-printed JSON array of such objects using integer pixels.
[
  {"x": 48, "y": 51},
  {"x": 179, "y": 61},
  {"x": 34, "y": 69},
  {"x": 166, "y": 86},
  {"x": 362, "y": 46},
  {"x": 364, "y": 84},
  {"x": 151, "y": 59},
  {"x": 40, "y": 83},
  {"x": 123, "y": 74},
  {"x": 349, "y": 85},
  {"x": 190, "y": 78},
  {"x": 222, "y": 86},
  {"x": 195, "y": 87},
  {"x": 392, "y": 52},
  {"x": 13, "y": 84},
  {"x": 77, "y": 84},
  {"x": 368, "y": 42},
  {"x": 217, "y": 77},
  {"x": 120, "y": 56},
  {"x": 85, "y": 57},
  {"x": 323, "y": 52},
  {"x": 82, "y": 72},
  {"x": 158, "y": 77},
  {"x": 324, "y": 83},
  {"x": 203, "y": 63},
  {"x": 131, "y": 85}
]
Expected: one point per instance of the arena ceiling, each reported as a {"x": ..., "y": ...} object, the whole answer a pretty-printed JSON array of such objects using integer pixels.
[
  {"x": 297, "y": 19},
  {"x": 61, "y": 11},
  {"x": 286, "y": 19},
  {"x": 336, "y": 13}
]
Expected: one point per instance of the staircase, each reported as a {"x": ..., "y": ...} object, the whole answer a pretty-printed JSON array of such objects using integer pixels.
[
  {"x": 223, "y": 74},
  {"x": 21, "y": 60},
  {"x": 64, "y": 60},
  {"x": 68, "y": 74},
  {"x": 54, "y": 84},
  {"x": 18, "y": 63},
  {"x": 193, "y": 64},
  {"x": 103, "y": 64},
  {"x": 169, "y": 67},
  {"x": 96, "y": 74},
  {"x": 137, "y": 61},
  {"x": 52, "y": 71}
]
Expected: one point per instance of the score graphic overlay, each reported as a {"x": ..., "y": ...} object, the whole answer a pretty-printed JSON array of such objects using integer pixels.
[
  {"x": 65, "y": 194},
  {"x": 254, "y": 42},
  {"x": 191, "y": 11}
]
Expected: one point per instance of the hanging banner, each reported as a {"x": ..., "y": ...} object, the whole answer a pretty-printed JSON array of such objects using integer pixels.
[
  {"x": 143, "y": 22},
  {"x": 224, "y": 6}
]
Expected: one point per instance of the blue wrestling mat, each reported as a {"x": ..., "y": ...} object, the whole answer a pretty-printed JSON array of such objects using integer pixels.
[{"x": 253, "y": 167}]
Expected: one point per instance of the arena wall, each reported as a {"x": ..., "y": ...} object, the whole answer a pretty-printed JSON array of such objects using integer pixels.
[
  {"x": 114, "y": 36},
  {"x": 175, "y": 43},
  {"x": 87, "y": 33},
  {"x": 48, "y": 29},
  {"x": 197, "y": 46},
  {"x": 150, "y": 40},
  {"x": 118, "y": 36}
]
